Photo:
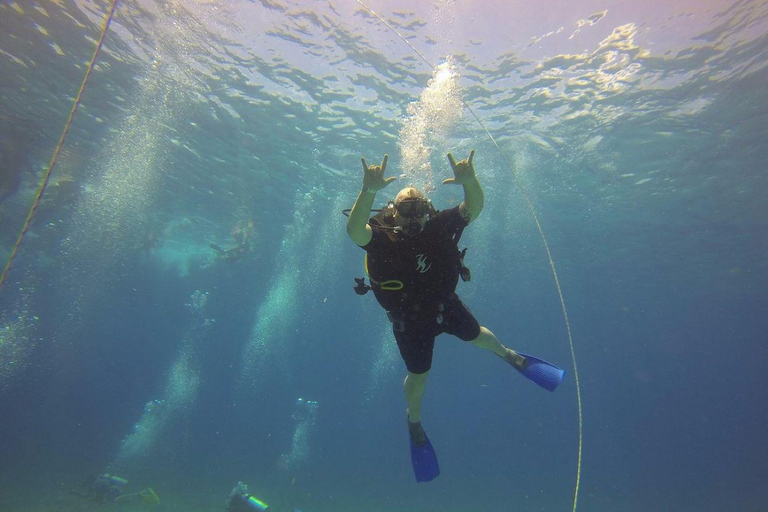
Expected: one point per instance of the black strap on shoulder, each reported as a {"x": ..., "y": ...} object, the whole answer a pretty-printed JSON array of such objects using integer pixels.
[
  {"x": 458, "y": 234},
  {"x": 464, "y": 271}
]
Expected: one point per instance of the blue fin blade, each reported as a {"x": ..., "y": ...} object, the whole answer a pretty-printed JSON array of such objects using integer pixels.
[
  {"x": 542, "y": 373},
  {"x": 424, "y": 460}
]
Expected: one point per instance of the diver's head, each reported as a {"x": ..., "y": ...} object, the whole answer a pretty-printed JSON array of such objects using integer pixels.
[{"x": 412, "y": 211}]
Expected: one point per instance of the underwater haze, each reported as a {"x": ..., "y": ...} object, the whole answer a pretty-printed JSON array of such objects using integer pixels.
[{"x": 180, "y": 313}]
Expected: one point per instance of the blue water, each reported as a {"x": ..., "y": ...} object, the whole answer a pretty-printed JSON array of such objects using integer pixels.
[{"x": 637, "y": 131}]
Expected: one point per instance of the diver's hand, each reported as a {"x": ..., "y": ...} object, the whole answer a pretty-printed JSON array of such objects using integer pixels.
[
  {"x": 373, "y": 176},
  {"x": 463, "y": 172}
]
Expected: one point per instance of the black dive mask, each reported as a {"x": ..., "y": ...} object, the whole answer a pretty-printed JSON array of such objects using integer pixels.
[{"x": 413, "y": 207}]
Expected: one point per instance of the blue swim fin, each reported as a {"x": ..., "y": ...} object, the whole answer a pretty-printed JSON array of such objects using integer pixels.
[
  {"x": 542, "y": 373},
  {"x": 424, "y": 460}
]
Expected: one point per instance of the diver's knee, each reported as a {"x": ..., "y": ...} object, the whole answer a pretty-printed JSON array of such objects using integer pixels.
[
  {"x": 484, "y": 337},
  {"x": 415, "y": 380},
  {"x": 486, "y": 333}
]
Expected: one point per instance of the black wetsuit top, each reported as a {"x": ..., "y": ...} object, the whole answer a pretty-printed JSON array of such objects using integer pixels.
[{"x": 427, "y": 264}]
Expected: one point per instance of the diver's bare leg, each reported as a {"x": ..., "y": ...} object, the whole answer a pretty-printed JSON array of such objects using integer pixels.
[
  {"x": 488, "y": 341},
  {"x": 414, "y": 386}
]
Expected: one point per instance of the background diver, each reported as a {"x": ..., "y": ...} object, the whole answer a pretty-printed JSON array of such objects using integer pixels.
[
  {"x": 241, "y": 500},
  {"x": 413, "y": 264},
  {"x": 108, "y": 488},
  {"x": 242, "y": 234}
]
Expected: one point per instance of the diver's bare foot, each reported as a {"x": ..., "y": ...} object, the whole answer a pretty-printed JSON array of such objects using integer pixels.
[
  {"x": 415, "y": 430},
  {"x": 416, "y": 433}
]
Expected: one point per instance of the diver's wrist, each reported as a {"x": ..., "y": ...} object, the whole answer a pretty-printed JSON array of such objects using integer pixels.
[{"x": 366, "y": 190}]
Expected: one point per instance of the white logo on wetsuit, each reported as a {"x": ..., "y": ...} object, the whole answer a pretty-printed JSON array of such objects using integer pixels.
[{"x": 421, "y": 264}]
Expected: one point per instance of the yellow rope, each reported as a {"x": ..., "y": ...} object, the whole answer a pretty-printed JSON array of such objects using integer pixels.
[
  {"x": 46, "y": 177},
  {"x": 529, "y": 202}
]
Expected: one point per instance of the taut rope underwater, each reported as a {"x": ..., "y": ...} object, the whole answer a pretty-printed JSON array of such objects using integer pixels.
[
  {"x": 47, "y": 175},
  {"x": 529, "y": 202}
]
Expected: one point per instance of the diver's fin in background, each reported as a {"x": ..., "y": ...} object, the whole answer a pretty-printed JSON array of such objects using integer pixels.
[
  {"x": 216, "y": 248},
  {"x": 541, "y": 372},
  {"x": 149, "y": 497},
  {"x": 424, "y": 460}
]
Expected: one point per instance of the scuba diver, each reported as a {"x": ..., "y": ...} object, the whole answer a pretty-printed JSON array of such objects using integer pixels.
[
  {"x": 242, "y": 234},
  {"x": 414, "y": 264},
  {"x": 240, "y": 500},
  {"x": 234, "y": 253},
  {"x": 108, "y": 488}
]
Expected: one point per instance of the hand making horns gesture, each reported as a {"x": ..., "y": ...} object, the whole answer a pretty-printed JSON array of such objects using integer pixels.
[
  {"x": 463, "y": 171},
  {"x": 373, "y": 177}
]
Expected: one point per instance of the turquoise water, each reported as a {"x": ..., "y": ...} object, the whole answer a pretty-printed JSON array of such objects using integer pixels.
[{"x": 128, "y": 345}]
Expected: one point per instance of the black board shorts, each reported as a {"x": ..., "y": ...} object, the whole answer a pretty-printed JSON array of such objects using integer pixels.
[{"x": 416, "y": 336}]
